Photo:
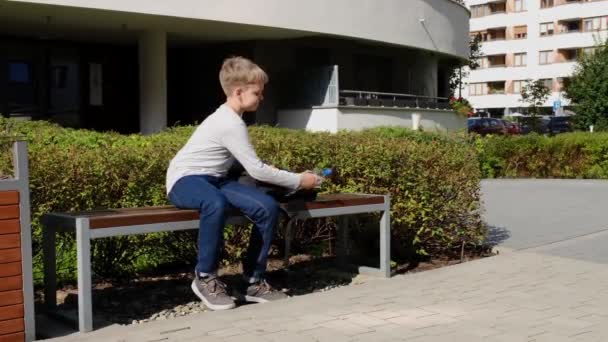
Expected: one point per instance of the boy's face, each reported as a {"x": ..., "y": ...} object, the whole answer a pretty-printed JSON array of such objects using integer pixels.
[{"x": 251, "y": 96}]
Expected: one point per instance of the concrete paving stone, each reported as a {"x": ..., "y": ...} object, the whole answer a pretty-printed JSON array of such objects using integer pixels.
[
  {"x": 316, "y": 318},
  {"x": 346, "y": 327},
  {"x": 300, "y": 326},
  {"x": 325, "y": 334},
  {"x": 200, "y": 338},
  {"x": 397, "y": 332},
  {"x": 243, "y": 338},
  {"x": 283, "y": 336},
  {"x": 451, "y": 308},
  {"x": 506, "y": 337},
  {"x": 424, "y": 321},
  {"x": 363, "y": 320},
  {"x": 227, "y": 332},
  {"x": 585, "y": 336},
  {"x": 386, "y": 314}
]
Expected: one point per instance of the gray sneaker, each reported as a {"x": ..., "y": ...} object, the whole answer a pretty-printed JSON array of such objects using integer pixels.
[
  {"x": 262, "y": 292},
  {"x": 212, "y": 292}
]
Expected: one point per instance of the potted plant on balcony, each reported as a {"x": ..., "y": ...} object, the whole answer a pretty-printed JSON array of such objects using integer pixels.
[{"x": 461, "y": 106}]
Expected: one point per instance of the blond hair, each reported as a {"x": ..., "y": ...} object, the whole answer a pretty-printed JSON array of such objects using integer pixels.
[{"x": 240, "y": 71}]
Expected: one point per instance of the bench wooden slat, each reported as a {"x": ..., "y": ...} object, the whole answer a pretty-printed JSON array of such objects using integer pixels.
[
  {"x": 17, "y": 337},
  {"x": 11, "y": 312},
  {"x": 9, "y": 226},
  {"x": 9, "y": 197},
  {"x": 148, "y": 215},
  {"x": 11, "y": 283},
  {"x": 11, "y": 298},
  {"x": 12, "y": 326},
  {"x": 10, "y": 269}
]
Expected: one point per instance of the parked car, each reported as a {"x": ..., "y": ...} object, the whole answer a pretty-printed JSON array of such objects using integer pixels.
[
  {"x": 484, "y": 126},
  {"x": 559, "y": 124},
  {"x": 513, "y": 128},
  {"x": 536, "y": 124}
]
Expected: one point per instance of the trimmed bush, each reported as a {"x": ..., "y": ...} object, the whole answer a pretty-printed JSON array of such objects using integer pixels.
[
  {"x": 433, "y": 181},
  {"x": 569, "y": 155}
]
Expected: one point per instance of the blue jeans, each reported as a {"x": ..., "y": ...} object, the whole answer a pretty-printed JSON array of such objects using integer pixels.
[{"x": 211, "y": 196}]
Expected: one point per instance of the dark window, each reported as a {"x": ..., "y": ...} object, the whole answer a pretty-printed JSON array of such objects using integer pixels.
[{"x": 19, "y": 72}]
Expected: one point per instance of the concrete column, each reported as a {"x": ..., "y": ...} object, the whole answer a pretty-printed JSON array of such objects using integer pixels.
[
  {"x": 152, "y": 81},
  {"x": 416, "y": 118}
]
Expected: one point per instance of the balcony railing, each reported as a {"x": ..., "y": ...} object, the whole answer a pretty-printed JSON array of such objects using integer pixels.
[{"x": 359, "y": 98}]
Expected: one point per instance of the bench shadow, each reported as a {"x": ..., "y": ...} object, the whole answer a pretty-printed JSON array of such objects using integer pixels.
[
  {"x": 496, "y": 235},
  {"x": 123, "y": 302}
]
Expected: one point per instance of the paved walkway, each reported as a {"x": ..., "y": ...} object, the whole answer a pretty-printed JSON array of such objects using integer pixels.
[{"x": 551, "y": 286}]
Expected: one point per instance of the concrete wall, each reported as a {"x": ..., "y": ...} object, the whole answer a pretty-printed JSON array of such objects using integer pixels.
[
  {"x": 436, "y": 25},
  {"x": 431, "y": 120},
  {"x": 314, "y": 120},
  {"x": 351, "y": 118}
]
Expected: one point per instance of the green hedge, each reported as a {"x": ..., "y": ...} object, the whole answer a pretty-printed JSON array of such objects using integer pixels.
[
  {"x": 433, "y": 182},
  {"x": 569, "y": 155}
]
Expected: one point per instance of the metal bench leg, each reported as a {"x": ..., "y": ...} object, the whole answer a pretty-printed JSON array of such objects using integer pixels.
[
  {"x": 49, "y": 260},
  {"x": 85, "y": 307},
  {"x": 342, "y": 240},
  {"x": 385, "y": 243},
  {"x": 288, "y": 238}
]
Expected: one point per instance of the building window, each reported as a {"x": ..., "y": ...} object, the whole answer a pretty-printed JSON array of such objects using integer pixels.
[
  {"x": 570, "y": 25},
  {"x": 545, "y": 57},
  {"x": 567, "y": 55},
  {"x": 589, "y": 50},
  {"x": 547, "y": 29},
  {"x": 521, "y": 59},
  {"x": 594, "y": 24},
  {"x": 517, "y": 85},
  {"x": 478, "y": 11},
  {"x": 520, "y": 32},
  {"x": 520, "y": 5},
  {"x": 19, "y": 72},
  {"x": 477, "y": 89},
  {"x": 548, "y": 83},
  {"x": 546, "y": 3},
  {"x": 497, "y": 87},
  {"x": 563, "y": 82}
]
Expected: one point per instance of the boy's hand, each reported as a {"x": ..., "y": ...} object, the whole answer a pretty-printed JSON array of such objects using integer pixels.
[{"x": 309, "y": 180}]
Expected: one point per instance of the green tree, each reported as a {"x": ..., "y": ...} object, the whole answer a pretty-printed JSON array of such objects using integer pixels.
[
  {"x": 588, "y": 89},
  {"x": 534, "y": 93},
  {"x": 462, "y": 72}
]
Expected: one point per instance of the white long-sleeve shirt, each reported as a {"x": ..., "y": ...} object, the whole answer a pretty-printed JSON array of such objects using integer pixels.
[{"x": 214, "y": 145}]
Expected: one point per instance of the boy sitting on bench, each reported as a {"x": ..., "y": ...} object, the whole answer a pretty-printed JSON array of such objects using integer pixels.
[{"x": 196, "y": 179}]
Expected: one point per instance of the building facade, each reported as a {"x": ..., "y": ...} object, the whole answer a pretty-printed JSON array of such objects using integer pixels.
[
  {"x": 528, "y": 40},
  {"x": 140, "y": 66}
]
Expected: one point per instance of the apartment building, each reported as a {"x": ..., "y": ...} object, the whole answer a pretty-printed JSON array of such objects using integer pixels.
[{"x": 530, "y": 39}]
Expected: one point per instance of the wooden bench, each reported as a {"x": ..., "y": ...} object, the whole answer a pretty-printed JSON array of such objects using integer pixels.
[{"x": 118, "y": 222}]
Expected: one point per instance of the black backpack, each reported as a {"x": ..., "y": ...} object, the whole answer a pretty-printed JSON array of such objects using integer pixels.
[{"x": 279, "y": 193}]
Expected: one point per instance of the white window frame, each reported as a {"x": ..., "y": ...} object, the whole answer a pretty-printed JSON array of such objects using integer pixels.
[
  {"x": 523, "y": 59},
  {"x": 547, "y": 28},
  {"x": 548, "y": 54},
  {"x": 517, "y": 86}
]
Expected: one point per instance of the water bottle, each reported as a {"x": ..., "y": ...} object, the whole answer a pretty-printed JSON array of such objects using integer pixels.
[{"x": 322, "y": 174}]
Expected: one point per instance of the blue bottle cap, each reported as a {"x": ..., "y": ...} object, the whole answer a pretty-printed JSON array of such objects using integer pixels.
[{"x": 327, "y": 172}]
